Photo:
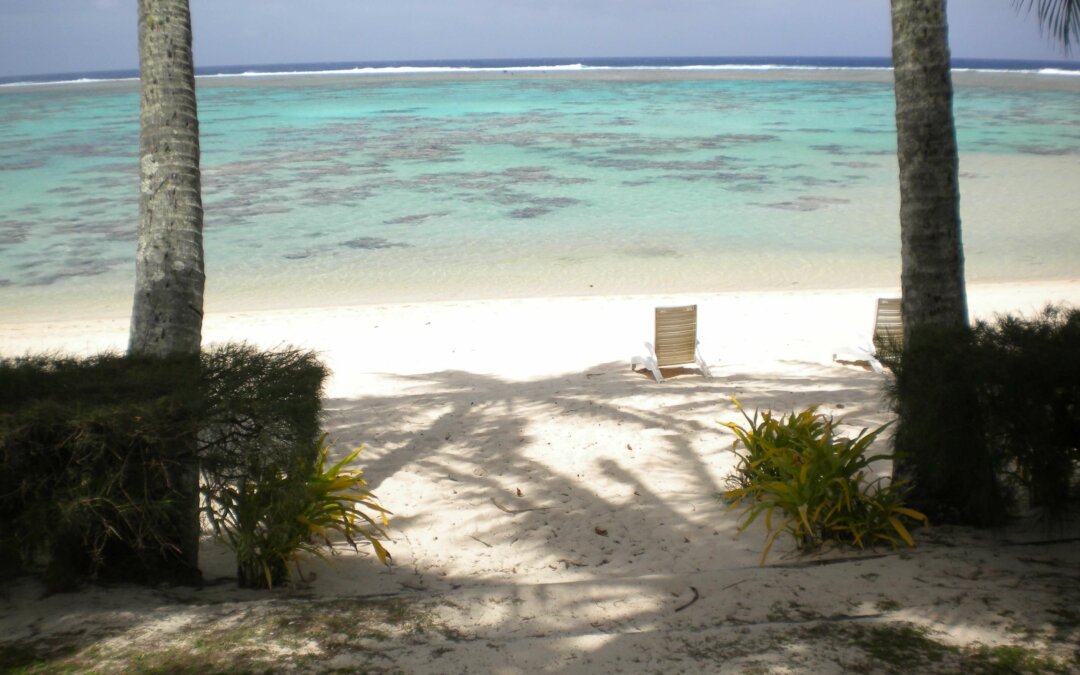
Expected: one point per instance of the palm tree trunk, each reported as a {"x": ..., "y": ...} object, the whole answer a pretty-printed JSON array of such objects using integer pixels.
[
  {"x": 169, "y": 278},
  {"x": 166, "y": 320},
  {"x": 940, "y": 442},
  {"x": 931, "y": 250}
]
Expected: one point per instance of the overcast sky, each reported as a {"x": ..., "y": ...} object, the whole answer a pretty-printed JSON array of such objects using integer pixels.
[{"x": 54, "y": 36}]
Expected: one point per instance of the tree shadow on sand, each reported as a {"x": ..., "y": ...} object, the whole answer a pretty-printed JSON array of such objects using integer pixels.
[
  {"x": 569, "y": 523},
  {"x": 576, "y": 488},
  {"x": 547, "y": 462},
  {"x": 572, "y": 519}
]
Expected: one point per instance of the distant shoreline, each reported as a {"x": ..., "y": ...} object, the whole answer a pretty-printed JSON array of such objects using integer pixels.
[
  {"x": 1018, "y": 80},
  {"x": 871, "y": 68}
]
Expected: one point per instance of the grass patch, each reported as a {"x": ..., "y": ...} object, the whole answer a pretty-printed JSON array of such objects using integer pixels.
[
  {"x": 887, "y": 605},
  {"x": 1007, "y": 659},
  {"x": 907, "y": 648},
  {"x": 293, "y": 634},
  {"x": 30, "y": 658}
]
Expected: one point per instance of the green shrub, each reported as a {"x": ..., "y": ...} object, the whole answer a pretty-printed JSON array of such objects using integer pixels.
[
  {"x": 262, "y": 459},
  {"x": 337, "y": 499},
  {"x": 978, "y": 410},
  {"x": 941, "y": 443},
  {"x": 1030, "y": 391},
  {"x": 269, "y": 520},
  {"x": 100, "y": 461},
  {"x": 93, "y": 455},
  {"x": 812, "y": 484},
  {"x": 260, "y": 409}
]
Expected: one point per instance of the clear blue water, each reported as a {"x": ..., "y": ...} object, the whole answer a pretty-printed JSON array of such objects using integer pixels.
[{"x": 354, "y": 188}]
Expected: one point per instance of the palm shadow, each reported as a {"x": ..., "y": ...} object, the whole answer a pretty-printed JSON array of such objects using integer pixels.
[
  {"x": 487, "y": 496},
  {"x": 571, "y": 520}
]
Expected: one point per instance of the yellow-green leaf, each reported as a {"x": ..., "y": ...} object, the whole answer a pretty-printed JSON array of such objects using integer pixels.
[{"x": 902, "y": 531}]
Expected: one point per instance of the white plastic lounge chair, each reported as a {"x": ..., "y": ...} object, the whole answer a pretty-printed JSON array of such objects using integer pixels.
[
  {"x": 676, "y": 342},
  {"x": 888, "y": 333}
]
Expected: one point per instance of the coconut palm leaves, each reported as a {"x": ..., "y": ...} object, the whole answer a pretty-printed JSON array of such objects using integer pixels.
[{"x": 1060, "y": 17}]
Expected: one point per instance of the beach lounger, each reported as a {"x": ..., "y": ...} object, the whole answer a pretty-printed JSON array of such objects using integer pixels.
[
  {"x": 888, "y": 334},
  {"x": 676, "y": 342},
  {"x": 888, "y": 325}
]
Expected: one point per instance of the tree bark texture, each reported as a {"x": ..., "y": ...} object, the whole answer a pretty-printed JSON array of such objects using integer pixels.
[
  {"x": 931, "y": 249},
  {"x": 169, "y": 278},
  {"x": 166, "y": 319}
]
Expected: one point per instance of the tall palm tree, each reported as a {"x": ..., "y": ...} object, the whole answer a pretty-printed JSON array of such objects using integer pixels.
[
  {"x": 169, "y": 278},
  {"x": 932, "y": 255},
  {"x": 939, "y": 442},
  {"x": 931, "y": 251},
  {"x": 936, "y": 445},
  {"x": 166, "y": 320}
]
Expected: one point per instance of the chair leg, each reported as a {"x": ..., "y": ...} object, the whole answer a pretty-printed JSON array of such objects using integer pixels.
[
  {"x": 648, "y": 363},
  {"x": 656, "y": 373},
  {"x": 701, "y": 363}
]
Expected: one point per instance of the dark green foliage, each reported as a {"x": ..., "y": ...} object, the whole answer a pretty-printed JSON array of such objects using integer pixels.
[
  {"x": 95, "y": 453},
  {"x": 1030, "y": 389},
  {"x": 105, "y": 378},
  {"x": 91, "y": 458},
  {"x": 940, "y": 441},
  {"x": 260, "y": 429},
  {"x": 980, "y": 409},
  {"x": 259, "y": 408},
  {"x": 290, "y": 510}
]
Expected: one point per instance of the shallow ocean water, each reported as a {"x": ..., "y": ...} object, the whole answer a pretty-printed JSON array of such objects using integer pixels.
[{"x": 328, "y": 190}]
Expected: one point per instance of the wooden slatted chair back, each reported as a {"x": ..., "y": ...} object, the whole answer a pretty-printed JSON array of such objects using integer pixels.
[
  {"x": 889, "y": 324},
  {"x": 676, "y": 335}
]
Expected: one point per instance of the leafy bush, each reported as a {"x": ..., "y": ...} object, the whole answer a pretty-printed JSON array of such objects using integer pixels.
[
  {"x": 260, "y": 410},
  {"x": 257, "y": 447},
  {"x": 941, "y": 444},
  {"x": 264, "y": 463},
  {"x": 812, "y": 484},
  {"x": 95, "y": 466},
  {"x": 1030, "y": 391},
  {"x": 270, "y": 520},
  {"x": 337, "y": 500},
  {"x": 981, "y": 409},
  {"x": 100, "y": 461}
]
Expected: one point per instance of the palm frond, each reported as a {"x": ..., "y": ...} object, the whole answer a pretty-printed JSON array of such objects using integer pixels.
[{"x": 1060, "y": 17}]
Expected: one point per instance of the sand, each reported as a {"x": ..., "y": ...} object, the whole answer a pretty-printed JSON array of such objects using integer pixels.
[{"x": 555, "y": 512}]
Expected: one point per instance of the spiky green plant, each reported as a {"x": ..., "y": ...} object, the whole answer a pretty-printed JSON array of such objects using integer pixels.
[
  {"x": 270, "y": 520},
  {"x": 812, "y": 484},
  {"x": 338, "y": 501}
]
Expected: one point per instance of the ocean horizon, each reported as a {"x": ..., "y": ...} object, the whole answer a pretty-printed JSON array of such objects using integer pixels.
[
  {"x": 403, "y": 67},
  {"x": 530, "y": 179}
]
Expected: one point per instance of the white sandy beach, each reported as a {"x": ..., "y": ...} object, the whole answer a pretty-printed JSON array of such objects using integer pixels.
[
  {"x": 558, "y": 510},
  {"x": 368, "y": 346}
]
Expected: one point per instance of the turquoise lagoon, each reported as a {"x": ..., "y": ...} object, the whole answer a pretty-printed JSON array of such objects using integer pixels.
[{"x": 322, "y": 190}]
